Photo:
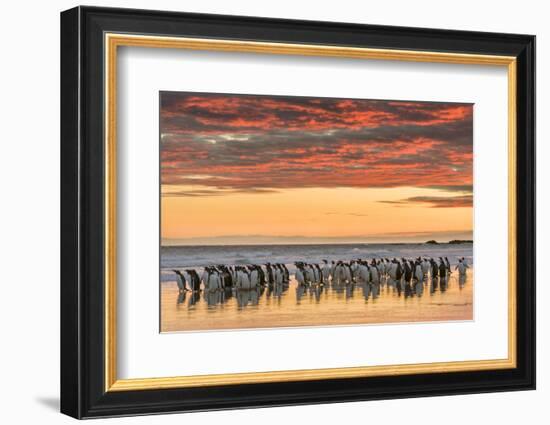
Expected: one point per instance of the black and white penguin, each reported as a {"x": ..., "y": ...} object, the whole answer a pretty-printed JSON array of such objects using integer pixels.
[
  {"x": 442, "y": 268},
  {"x": 434, "y": 269},
  {"x": 408, "y": 270},
  {"x": 325, "y": 272},
  {"x": 398, "y": 271},
  {"x": 194, "y": 280},
  {"x": 461, "y": 267},
  {"x": 180, "y": 280}
]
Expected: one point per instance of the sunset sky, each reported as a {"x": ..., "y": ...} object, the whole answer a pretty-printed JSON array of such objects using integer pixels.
[{"x": 278, "y": 169}]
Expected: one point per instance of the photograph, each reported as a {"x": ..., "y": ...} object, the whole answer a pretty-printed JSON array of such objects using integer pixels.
[{"x": 289, "y": 211}]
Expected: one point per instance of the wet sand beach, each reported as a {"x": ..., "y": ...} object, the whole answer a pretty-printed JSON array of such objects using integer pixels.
[{"x": 317, "y": 306}]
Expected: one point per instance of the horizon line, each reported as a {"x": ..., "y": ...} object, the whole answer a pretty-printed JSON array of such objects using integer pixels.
[
  {"x": 420, "y": 237},
  {"x": 462, "y": 241}
]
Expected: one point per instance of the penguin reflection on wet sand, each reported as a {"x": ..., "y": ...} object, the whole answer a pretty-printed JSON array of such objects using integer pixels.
[
  {"x": 366, "y": 290},
  {"x": 213, "y": 298},
  {"x": 181, "y": 297},
  {"x": 317, "y": 291},
  {"x": 247, "y": 297},
  {"x": 275, "y": 291},
  {"x": 375, "y": 290},
  {"x": 194, "y": 299},
  {"x": 419, "y": 288}
]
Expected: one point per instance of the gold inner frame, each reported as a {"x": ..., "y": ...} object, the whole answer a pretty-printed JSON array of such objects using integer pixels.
[{"x": 113, "y": 41}]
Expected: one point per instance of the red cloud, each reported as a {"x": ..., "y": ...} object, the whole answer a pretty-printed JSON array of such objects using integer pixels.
[{"x": 255, "y": 143}]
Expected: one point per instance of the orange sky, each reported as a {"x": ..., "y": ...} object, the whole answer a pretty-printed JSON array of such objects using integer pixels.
[{"x": 244, "y": 167}]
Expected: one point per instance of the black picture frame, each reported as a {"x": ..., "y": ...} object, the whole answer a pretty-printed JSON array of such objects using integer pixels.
[{"x": 83, "y": 392}]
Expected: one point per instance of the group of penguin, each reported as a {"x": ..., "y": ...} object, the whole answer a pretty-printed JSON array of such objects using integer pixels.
[
  {"x": 239, "y": 277},
  {"x": 395, "y": 272},
  {"x": 374, "y": 271}
]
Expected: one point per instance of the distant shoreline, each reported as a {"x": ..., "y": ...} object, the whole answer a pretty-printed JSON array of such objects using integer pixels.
[{"x": 452, "y": 242}]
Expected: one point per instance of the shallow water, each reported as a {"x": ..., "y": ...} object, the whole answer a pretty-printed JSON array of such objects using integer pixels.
[{"x": 296, "y": 305}]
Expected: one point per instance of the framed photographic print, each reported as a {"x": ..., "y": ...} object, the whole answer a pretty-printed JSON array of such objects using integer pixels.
[{"x": 261, "y": 212}]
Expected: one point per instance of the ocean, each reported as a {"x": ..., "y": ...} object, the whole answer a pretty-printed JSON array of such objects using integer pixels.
[{"x": 176, "y": 257}]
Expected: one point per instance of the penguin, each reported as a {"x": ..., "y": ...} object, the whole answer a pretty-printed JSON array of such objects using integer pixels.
[
  {"x": 408, "y": 270},
  {"x": 347, "y": 273},
  {"x": 228, "y": 278},
  {"x": 214, "y": 280},
  {"x": 461, "y": 267},
  {"x": 399, "y": 271},
  {"x": 278, "y": 274},
  {"x": 221, "y": 277},
  {"x": 244, "y": 279},
  {"x": 319, "y": 274},
  {"x": 204, "y": 277},
  {"x": 261, "y": 275},
  {"x": 382, "y": 266},
  {"x": 299, "y": 274},
  {"x": 180, "y": 280},
  {"x": 418, "y": 273},
  {"x": 316, "y": 272},
  {"x": 332, "y": 269},
  {"x": 364, "y": 272},
  {"x": 325, "y": 272},
  {"x": 338, "y": 275},
  {"x": 392, "y": 271},
  {"x": 442, "y": 268},
  {"x": 435, "y": 269},
  {"x": 194, "y": 280},
  {"x": 310, "y": 275},
  {"x": 425, "y": 268},
  {"x": 374, "y": 274},
  {"x": 254, "y": 276},
  {"x": 353, "y": 266},
  {"x": 286, "y": 274},
  {"x": 270, "y": 279}
]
